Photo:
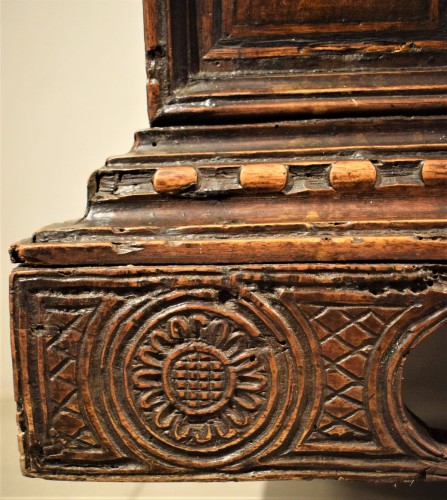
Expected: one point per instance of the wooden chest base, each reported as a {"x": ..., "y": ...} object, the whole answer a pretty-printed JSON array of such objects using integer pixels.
[{"x": 223, "y": 373}]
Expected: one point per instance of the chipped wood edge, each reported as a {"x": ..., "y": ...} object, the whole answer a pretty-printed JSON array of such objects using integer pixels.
[{"x": 236, "y": 251}]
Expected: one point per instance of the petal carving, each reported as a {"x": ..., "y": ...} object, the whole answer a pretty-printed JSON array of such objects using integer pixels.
[
  {"x": 223, "y": 429},
  {"x": 237, "y": 417},
  {"x": 217, "y": 332},
  {"x": 203, "y": 434},
  {"x": 234, "y": 343},
  {"x": 248, "y": 401},
  {"x": 180, "y": 428},
  {"x": 151, "y": 399},
  {"x": 146, "y": 355},
  {"x": 139, "y": 381},
  {"x": 157, "y": 338},
  {"x": 164, "y": 417},
  {"x": 178, "y": 328}
]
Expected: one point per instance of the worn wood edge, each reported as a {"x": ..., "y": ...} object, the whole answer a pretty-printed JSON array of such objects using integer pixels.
[
  {"x": 236, "y": 251},
  {"x": 363, "y": 122},
  {"x": 16, "y": 360},
  {"x": 347, "y": 97},
  {"x": 83, "y": 231},
  {"x": 219, "y": 53},
  {"x": 405, "y": 269},
  {"x": 283, "y": 141},
  {"x": 143, "y": 156},
  {"x": 343, "y": 85},
  {"x": 422, "y": 79},
  {"x": 215, "y": 110},
  {"x": 217, "y": 163},
  {"x": 338, "y": 473}
]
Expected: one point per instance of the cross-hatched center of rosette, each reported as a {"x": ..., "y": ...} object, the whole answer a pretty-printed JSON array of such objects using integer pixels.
[{"x": 198, "y": 379}]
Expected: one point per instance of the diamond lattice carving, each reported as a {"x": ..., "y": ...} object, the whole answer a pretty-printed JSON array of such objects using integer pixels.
[{"x": 347, "y": 335}]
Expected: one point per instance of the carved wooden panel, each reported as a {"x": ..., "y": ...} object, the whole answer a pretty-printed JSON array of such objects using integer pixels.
[
  {"x": 265, "y": 371},
  {"x": 260, "y": 59}
]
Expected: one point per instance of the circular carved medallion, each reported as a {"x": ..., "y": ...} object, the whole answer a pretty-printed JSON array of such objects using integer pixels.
[{"x": 195, "y": 382}]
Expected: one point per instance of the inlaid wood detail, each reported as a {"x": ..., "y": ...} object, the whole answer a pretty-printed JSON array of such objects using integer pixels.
[
  {"x": 352, "y": 175},
  {"x": 293, "y": 178},
  {"x": 268, "y": 178},
  {"x": 434, "y": 172},
  {"x": 156, "y": 373},
  {"x": 172, "y": 180}
]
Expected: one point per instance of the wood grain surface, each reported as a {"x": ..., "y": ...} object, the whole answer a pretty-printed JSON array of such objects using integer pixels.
[
  {"x": 208, "y": 60},
  {"x": 217, "y": 373},
  {"x": 240, "y": 297}
]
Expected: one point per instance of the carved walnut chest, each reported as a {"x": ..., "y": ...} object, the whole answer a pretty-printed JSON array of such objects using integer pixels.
[{"x": 239, "y": 299}]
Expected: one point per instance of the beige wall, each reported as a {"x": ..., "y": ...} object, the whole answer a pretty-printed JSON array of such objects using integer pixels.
[{"x": 73, "y": 93}]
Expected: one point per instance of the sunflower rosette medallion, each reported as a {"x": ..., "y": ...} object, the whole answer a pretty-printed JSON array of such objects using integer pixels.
[
  {"x": 195, "y": 380},
  {"x": 198, "y": 383}
]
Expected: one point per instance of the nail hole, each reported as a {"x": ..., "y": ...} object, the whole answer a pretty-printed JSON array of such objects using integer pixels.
[{"x": 223, "y": 296}]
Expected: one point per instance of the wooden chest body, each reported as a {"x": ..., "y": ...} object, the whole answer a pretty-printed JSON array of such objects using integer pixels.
[{"x": 239, "y": 300}]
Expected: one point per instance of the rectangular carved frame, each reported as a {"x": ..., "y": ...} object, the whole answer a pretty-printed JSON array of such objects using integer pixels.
[
  {"x": 301, "y": 366},
  {"x": 207, "y": 61}
]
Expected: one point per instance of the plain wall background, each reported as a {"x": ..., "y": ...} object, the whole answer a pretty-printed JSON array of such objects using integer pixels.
[{"x": 73, "y": 93}]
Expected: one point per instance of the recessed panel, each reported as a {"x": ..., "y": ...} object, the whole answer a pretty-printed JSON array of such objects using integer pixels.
[
  {"x": 281, "y": 14},
  {"x": 260, "y": 60}
]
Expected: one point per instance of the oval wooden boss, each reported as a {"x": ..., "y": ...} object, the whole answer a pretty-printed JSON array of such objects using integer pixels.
[
  {"x": 263, "y": 177},
  {"x": 434, "y": 172},
  {"x": 174, "y": 179},
  {"x": 352, "y": 175}
]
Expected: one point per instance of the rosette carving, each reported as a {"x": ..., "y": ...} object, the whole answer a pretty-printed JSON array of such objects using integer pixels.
[{"x": 195, "y": 378}]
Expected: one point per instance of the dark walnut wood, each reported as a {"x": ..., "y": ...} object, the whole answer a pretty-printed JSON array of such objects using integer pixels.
[
  {"x": 218, "y": 195},
  {"x": 211, "y": 60},
  {"x": 217, "y": 373},
  {"x": 241, "y": 295}
]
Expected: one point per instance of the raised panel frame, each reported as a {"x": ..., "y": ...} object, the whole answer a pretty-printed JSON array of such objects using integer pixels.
[{"x": 205, "y": 68}]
